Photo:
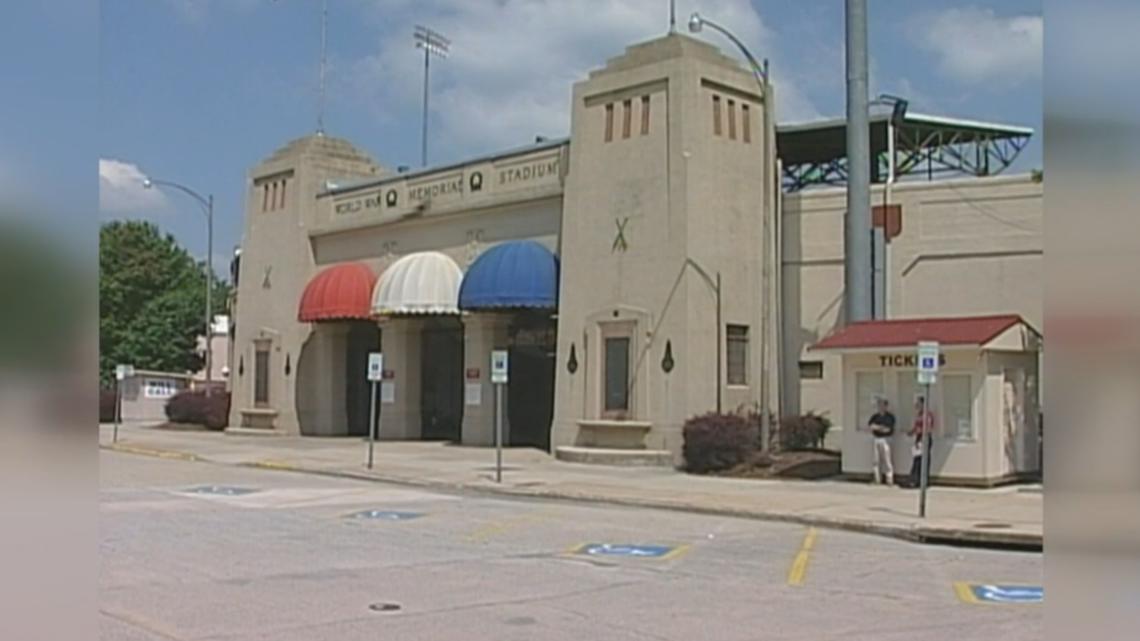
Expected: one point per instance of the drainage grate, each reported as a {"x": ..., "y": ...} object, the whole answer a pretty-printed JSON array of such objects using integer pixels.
[
  {"x": 220, "y": 490},
  {"x": 384, "y": 515},
  {"x": 388, "y": 606}
]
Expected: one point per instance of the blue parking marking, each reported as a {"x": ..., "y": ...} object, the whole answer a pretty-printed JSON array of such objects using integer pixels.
[
  {"x": 385, "y": 515},
  {"x": 627, "y": 549},
  {"x": 220, "y": 490},
  {"x": 992, "y": 593}
]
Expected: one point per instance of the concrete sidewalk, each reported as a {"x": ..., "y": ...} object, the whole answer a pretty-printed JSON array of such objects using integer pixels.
[{"x": 1009, "y": 516}]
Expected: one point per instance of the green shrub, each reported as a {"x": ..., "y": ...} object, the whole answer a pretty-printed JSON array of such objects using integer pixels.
[
  {"x": 714, "y": 442},
  {"x": 194, "y": 407},
  {"x": 804, "y": 432}
]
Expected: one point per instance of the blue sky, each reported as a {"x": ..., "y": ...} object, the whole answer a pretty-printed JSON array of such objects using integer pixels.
[{"x": 198, "y": 91}]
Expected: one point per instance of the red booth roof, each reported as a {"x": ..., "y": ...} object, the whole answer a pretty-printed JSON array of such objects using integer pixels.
[
  {"x": 341, "y": 292},
  {"x": 969, "y": 330}
]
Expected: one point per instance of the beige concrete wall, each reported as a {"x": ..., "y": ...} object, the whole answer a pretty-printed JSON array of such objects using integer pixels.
[
  {"x": 277, "y": 262},
  {"x": 675, "y": 193},
  {"x": 967, "y": 247}
]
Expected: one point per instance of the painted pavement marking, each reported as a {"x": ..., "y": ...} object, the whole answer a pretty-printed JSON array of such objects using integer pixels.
[
  {"x": 800, "y": 563},
  {"x": 989, "y": 593},
  {"x": 640, "y": 551}
]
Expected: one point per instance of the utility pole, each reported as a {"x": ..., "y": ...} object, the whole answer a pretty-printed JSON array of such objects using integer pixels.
[
  {"x": 432, "y": 43},
  {"x": 857, "y": 273}
]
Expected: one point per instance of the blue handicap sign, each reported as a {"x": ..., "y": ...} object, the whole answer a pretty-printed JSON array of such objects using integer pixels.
[
  {"x": 987, "y": 593},
  {"x": 385, "y": 515},
  {"x": 927, "y": 363},
  {"x": 610, "y": 549}
]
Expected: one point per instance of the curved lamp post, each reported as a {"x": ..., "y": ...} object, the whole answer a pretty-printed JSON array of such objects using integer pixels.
[
  {"x": 697, "y": 23},
  {"x": 207, "y": 203}
]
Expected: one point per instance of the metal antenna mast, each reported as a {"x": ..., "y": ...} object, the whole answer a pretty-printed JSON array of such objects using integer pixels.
[
  {"x": 324, "y": 66},
  {"x": 431, "y": 42}
]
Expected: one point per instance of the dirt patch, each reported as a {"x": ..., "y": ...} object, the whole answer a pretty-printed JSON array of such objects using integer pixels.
[{"x": 805, "y": 464}]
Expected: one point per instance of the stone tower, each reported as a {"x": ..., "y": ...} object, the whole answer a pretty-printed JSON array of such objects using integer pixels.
[
  {"x": 670, "y": 180},
  {"x": 276, "y": 263}
]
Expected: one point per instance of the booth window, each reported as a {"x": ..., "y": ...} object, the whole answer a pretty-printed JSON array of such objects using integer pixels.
[
  {"x": 811, "y": 370},
  {"x": 737, "y": 348},
  {"x": 616, "y": 375},
  {"x": 261, "y": 376},
  {"x": 957, "y": 407}
]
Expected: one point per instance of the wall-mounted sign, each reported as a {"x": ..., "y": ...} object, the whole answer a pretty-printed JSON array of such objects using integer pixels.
[
  {"x": 428, "y": 191},
  {"x": 473, "y": 373},
  {"x": 908, "y": 361},
  {"x": 528, "y": 172}
]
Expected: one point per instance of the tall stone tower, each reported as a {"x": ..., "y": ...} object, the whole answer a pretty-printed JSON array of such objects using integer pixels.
[
  {"x": 671, "y": 178},
  {"x": 276, "y": 263}
]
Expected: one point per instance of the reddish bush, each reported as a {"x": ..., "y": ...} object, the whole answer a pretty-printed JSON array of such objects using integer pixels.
[
  {"x": 803, "y": 432},
  {"x": 716, "y": 442},
  {"x": 106, "y": 405},
  {"x": 196, "y": 408}
]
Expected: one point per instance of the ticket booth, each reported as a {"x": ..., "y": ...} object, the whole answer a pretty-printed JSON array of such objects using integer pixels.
[{"x": 985, "y": 401}]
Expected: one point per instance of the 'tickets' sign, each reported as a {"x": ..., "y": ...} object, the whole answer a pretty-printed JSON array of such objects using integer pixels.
[{"x": 905, "y": 360}]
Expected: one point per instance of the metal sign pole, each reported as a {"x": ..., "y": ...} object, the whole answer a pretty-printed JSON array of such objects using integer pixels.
[
  {"x": 118, "y": 410},
  {"x": 371, "y": 423},
  {"x": 926, "y": 438},
  {"x": 498, "y": 432}
]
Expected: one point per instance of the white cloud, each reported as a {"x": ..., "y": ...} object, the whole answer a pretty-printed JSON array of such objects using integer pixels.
[
  {"x": 973, "y": 44},
  {"x": 121, "y": 189},
  {"x": 513, "y": 62}
]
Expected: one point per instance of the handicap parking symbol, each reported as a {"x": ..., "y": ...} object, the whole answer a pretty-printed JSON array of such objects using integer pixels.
[
  {"x": 1008, "y": 594},
  {"x": 638, "y": 551},
  {"x": 384, "y": 515}
]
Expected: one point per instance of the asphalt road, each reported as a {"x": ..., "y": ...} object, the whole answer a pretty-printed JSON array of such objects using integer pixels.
[{"x": 288, "y": 557}]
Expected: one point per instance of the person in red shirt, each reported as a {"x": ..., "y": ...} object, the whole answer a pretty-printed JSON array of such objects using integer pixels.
[{"x": 923, "y": 426}]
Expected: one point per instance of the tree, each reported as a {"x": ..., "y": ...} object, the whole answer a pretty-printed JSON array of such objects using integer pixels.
[{"x": 151, "y": 300}]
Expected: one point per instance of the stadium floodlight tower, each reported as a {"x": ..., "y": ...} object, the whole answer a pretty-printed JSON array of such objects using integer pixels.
[{"x": 433, "y": 43}]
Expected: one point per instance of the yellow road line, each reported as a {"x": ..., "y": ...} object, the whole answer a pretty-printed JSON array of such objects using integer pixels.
[
  {"x": 965, "y": 594},
  {"x": 676, "y": 552},
  {"x": 799, "y": 565},
  {"x": 146, "y": 451}
]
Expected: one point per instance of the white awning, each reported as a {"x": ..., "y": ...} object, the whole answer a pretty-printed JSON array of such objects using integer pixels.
[{"x": 420, "y": 283}]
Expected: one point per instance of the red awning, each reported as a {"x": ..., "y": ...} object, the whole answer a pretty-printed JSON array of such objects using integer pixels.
[
  {"x": 341, "y": 292},
  {"x": 969, "y": 330}
]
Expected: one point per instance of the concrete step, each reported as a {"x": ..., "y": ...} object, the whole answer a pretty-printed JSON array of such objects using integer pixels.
[
  {"x": 623, "y": 458},
  {"x": 252, "y": 431}
]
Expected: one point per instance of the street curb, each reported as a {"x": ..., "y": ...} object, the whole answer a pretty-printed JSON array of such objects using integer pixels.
[{"x": 914, "y": 534}]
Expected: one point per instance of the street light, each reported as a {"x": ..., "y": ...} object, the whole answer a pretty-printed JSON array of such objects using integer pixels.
[
  {"x": 697, "y": 23},
  {"x": 207, "y": 204}
]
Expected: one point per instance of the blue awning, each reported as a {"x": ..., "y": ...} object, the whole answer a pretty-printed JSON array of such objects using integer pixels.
[{"x": 520, "y": 273}]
